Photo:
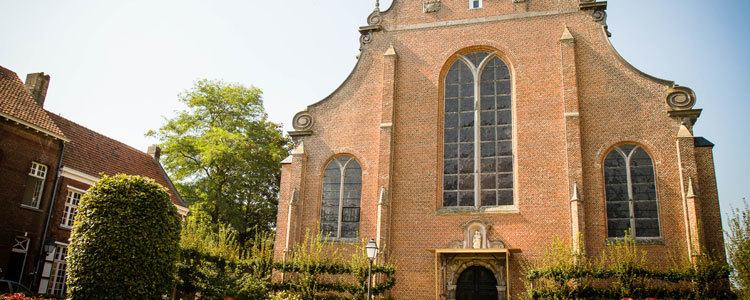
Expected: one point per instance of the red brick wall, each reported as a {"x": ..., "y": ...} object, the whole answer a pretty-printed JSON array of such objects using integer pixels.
[
  {"x": 617, "y": 104},
  {"x": 56, "y": 231},
  {"x": 709, "y": 198},
  {"x": 20, "y": 146}
]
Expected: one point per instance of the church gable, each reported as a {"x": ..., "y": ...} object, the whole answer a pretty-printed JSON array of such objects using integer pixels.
[{"x": 483, "y": 130}]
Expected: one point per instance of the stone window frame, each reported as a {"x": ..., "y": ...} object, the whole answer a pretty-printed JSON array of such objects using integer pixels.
[
  {"x": 333, "y": 159},
  {"x": 659, "y": 240},
  {"x": 492, "y": 52},
  {"x": 471, "y": 4},
  {"x": 38, "y": 176},
  {"x": 71, "y": 206}
]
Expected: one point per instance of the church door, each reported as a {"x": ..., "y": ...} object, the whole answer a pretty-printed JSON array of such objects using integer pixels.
[{"x": 476, "y": 283}]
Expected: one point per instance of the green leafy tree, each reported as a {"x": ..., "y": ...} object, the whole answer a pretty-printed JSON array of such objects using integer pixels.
[
  {"x": 124, "y": 243},
  {"x": 226, "y": 156},
  {"x": 213, "y": 264},
  {"x": 738, "y": 248}
]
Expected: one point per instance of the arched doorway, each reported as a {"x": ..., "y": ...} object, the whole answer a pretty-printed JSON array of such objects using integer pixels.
[{"x": 476, "y": 283}]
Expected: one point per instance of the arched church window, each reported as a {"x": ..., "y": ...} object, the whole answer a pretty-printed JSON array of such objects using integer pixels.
[
  {"x": 342, "y": 191},
  {"x": 631, "y": 193},
  {"x": 478, "y": 132}
]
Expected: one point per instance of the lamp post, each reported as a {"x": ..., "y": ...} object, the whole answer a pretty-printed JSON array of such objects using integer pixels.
[
  {"x": 49, "y": 246},
  {"x": 372, "y": 253}
]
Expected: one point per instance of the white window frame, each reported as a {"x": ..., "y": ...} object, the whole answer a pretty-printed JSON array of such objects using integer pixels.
[
  {"x": 71, "y": 206},
  {"x": 57, "y": 280},
  {"x": 471, "y": 4},
  {"x": 38, "y": 171},
  {"x": 21, "y": 244}
]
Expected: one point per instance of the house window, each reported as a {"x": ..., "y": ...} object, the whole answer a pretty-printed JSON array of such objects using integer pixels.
[
  {"x": 473, "y": 4},
  {"x": 71, "y": 207},
  {"x": 35, "y": 185},
  {"x": 630, "y": 188},
  {"x": 342, "y": 191},
  {"x": 478, "y": 133},
  {"x": 59, "y": 270}
]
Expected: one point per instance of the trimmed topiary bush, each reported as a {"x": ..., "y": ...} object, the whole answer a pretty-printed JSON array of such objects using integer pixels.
[{"x": 124, "y": 243}]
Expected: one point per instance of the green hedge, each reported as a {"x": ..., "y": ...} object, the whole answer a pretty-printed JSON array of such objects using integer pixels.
[
  {"x": 622, "y": 271},
  {"x": 124, "y": 243},
  {"x": 359, "y": 287},
  {"x": 316, "y": 270}
]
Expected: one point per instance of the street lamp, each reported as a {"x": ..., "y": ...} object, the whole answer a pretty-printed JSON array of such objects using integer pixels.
[
  {"x": 49, "y": 246},
  {"x": 372, "y": 253}
]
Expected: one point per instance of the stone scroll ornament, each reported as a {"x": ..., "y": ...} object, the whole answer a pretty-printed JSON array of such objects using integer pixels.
[
  {"x": 598, "y": 13},
  {"x": 374, "y": 18},
  {"x": 302, "y": 121},
  {"x": 681, "y": 98},
  {"x": 365, "y": 38}
]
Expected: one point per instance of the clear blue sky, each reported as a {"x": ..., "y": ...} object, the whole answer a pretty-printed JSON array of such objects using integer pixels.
[{"x": 117, "y": 66}]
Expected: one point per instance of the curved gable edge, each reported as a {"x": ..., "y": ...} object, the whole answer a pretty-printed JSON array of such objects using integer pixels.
[
  {"x": 622, "y": 60},
  {"x": 348, "y": 78}
]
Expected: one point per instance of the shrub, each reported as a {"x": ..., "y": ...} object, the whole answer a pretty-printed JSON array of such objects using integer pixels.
[
  {"x": 213, "y": 264},
  {"x": 316, "y": 270},
  {"x": 738, "y": 248},
  {"x": 124, "y": 243},
  {"x": 621, "y": 271}
]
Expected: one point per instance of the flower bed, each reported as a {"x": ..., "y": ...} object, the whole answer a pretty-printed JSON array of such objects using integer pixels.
[{"x": 20, "y": 296}]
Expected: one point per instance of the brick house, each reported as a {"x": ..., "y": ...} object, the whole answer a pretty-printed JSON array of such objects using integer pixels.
[
  {"x": 30, "y": 149},
  {"x": 80, "y": 159},
  {"x": 471, "y": 133}
]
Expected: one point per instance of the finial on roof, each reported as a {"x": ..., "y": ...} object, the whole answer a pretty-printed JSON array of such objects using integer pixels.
[
  {"x": 377, "y": 5},
  {"x": 566, "y": 36}
]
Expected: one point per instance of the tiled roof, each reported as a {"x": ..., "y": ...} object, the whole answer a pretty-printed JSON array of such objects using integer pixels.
[
  {"x": 16, "y": 103},
  {"x": 93, "y": 153}
]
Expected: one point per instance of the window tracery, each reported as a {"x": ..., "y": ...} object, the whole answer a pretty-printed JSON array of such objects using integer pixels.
[
  {"x": 478, "y": 132},
  {"x": 630, "y": 188},
  {"x": 342, "y": 193}
]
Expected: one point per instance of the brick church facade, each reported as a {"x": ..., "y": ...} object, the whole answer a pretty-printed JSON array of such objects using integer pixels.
[{"x": 471, "y": 133}]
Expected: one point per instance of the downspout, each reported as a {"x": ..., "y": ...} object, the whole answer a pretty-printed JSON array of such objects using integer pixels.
[{"x": 35, "y": 284}]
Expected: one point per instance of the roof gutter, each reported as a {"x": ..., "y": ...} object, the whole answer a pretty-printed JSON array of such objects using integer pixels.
[{"x": 35, "y": 127}]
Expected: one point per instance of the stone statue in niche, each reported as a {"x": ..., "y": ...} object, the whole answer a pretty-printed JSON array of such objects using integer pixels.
[
  {"x": 477, "y": 240},
  {"x": 475, "y": 232},
  {"x": 431, "y": 6}
]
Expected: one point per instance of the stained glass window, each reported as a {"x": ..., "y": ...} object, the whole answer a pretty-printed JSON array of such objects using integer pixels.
[
  {"x": 630, "y": 188},
  {"x": 342, "y": 192},
  {"x": 478, "y": 132}
]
